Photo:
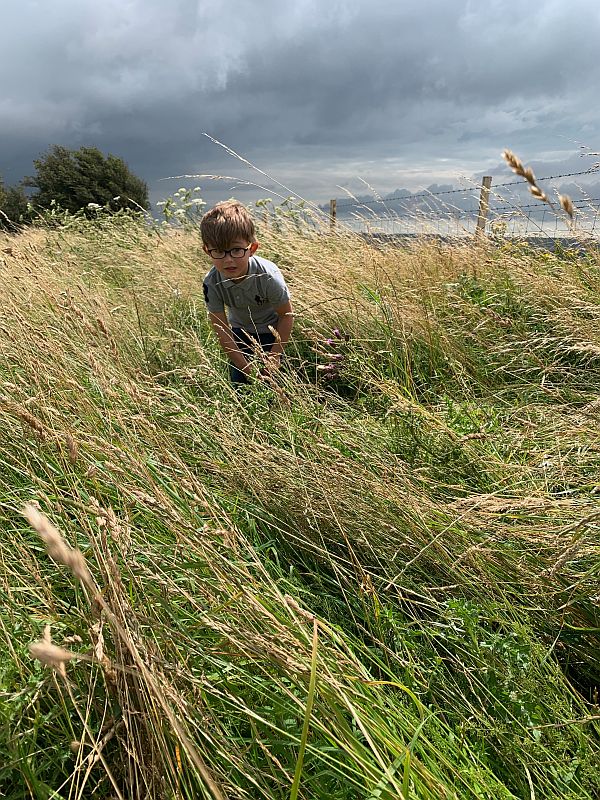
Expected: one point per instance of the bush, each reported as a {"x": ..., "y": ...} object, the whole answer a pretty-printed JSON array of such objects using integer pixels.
[{"x": 76, "y": 178}]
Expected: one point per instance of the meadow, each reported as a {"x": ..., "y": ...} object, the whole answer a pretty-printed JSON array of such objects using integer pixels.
[{"x": 377, "y": 578}]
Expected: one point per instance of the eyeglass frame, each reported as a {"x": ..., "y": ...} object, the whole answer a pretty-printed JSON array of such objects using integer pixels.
[{"x": 228, "y": 252}]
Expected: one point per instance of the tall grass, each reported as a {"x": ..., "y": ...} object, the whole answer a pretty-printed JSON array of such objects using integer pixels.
[{"x": 377, "y": 579}]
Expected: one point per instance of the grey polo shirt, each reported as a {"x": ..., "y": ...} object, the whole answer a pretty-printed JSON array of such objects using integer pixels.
[{"x": 251, "y": 302}]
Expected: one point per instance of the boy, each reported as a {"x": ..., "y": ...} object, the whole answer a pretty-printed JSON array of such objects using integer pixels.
[{"x": 252, "y": 289}]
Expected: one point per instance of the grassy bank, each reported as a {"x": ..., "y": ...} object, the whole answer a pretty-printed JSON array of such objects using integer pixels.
[{"x": 378, "y": 579}]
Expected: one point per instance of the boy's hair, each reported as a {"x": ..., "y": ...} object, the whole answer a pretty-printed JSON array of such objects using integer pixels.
[{"x": 225, "y": 223}]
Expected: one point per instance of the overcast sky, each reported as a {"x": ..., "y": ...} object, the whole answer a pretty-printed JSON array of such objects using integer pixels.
[{"x": 316, "y": 93}]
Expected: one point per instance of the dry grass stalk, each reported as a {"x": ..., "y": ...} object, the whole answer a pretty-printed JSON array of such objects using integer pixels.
[
  {"x": 293, "y": 605},
  {"x": 50, "y": 654},
  {"x": 482, "y": 547},
  {"x": 56, "y": 546},
  {"x": 275, "y": 333},
  {"x": 25, "y": 416},
  {"x": 515, "y": 163},
  {"x": 32, "y": 421},
  {"x": 95, "y": 754},
  {"x": 539, "y": 194},
  {"x": 102, "y": 325},
  {"x": 577, "y": 544},
  {"x": 72, "y": 448},
  {"x": 61, "y": 552},
  {"x": 567, "y": 204},
  {"x": 568, "y": 555},
  {"x": 120, "y": 530}
]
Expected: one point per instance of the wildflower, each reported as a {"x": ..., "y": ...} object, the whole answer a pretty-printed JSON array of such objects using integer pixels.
[{"x": 336, "y": 333}]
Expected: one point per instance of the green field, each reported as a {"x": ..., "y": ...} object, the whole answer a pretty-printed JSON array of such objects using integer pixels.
[{"x": 377, "y": 580}]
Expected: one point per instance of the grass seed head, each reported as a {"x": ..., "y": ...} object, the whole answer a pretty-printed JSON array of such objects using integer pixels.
[
  {"x": 72, "y": 448},
  {"x": 514, "y": 162},
  {"x": 275, "y": 333},
  {"x": 567, "y": 204},
  {"x": 56, "y": 546},
  {"x": 538, "y": 193},
  {"x": 50, "y": 654}
]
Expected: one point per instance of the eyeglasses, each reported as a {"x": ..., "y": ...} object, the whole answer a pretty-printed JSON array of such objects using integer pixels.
[{"x": 235, "y": 252}]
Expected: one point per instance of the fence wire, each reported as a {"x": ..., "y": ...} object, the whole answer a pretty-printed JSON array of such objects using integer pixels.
[{"x": 441, "y": 214}]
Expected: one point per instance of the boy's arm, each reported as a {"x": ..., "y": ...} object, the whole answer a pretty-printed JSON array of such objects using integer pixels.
[
  {"x": 221, "y": 327},
  {"x": 284, "y": 326}
]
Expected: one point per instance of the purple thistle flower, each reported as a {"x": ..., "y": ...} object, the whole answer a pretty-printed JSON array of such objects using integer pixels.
[{"x": 336, "y": 333}]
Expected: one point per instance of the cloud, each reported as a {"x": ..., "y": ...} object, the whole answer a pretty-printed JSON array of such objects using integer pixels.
[{"x": 311, "y": 91}]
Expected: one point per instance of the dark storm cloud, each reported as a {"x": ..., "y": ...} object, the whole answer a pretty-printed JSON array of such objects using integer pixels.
[{"x": 402, "y": 93}]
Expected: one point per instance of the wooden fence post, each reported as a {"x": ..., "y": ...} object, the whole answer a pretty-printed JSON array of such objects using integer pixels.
[
  {"x": 484, "y": 204},
  {"x": 332, "y": 213}
]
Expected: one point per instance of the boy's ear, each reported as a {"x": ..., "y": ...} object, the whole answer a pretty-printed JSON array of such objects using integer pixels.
[{"x": 253, "y": 248}]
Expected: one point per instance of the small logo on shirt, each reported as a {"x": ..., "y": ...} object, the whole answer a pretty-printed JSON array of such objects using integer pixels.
[{"x": 259, "y": 300}]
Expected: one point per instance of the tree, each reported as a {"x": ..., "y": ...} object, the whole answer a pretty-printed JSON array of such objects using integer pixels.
[
  {"x": 13, "y": 207},
  {"x": 75, "y": 178}
]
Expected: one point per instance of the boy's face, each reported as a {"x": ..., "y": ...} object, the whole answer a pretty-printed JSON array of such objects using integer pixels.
[{"x": 230, "y": 267}]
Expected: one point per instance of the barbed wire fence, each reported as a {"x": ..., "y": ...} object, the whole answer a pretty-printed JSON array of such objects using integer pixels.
[{"x": 489, "y": 209}]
